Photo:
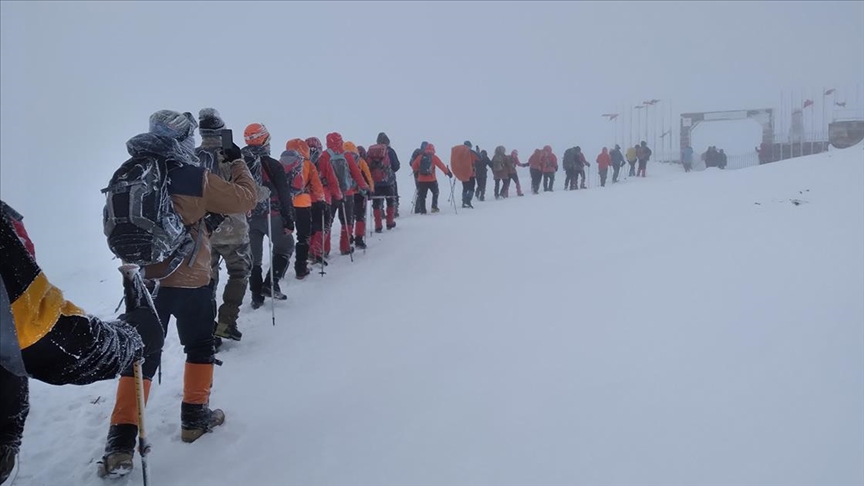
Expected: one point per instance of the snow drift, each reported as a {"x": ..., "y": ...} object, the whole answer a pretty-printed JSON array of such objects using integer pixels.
[{"x": 684, "y": 329}]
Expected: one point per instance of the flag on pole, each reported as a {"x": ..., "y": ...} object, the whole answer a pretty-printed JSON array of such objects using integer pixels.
[
  {"x": 610, "y": 116},
  {"x": 830, "y": 91},
  {"x": 841, "y": 104},
  {"x": 808, "y": 103}
]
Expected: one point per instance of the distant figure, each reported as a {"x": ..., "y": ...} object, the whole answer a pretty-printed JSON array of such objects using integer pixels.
[{"x": 687, "y": 158}]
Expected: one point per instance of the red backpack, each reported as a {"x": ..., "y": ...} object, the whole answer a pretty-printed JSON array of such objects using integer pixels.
[{"x": 378, "y": 158}]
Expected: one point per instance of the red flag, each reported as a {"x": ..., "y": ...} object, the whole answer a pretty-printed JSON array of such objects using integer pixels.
[
  {"x": 841, "y": 104},
  {"x": 808, "y": 103},
  {"x": 830, "y": 91}
]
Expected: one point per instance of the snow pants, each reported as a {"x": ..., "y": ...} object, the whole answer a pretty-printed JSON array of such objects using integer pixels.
[
  {"x": 579, "y": 172},
  {"x": 378, "y": 206},
  {"x": 632, "y": 168},
  {"x": 303, "y": 224},
  {"x": 687, "y": 166},
  {"x": 424, "y": 188},
  {"x": 514, "y": 179},
  {"x": 569, "y": 179},
  {"x": 238, "y": 261},
  {"x": 641, "y": 171},
  {"x": 536, "y": 177},
  {"x": 616, "y": 169},
  {"x": 282, "y": 244},
  {"x": 548, "y": 181},
  {"x": 502, "y": 186},
  {"x": 360, "y": 208},
  {"x": 480, "y": 192},
  {"x": 468, "y": 190},
  {"x": 604, "y": 172}
]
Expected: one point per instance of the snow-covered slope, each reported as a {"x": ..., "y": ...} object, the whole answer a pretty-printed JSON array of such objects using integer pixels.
[{"x": 684, "y": 329}]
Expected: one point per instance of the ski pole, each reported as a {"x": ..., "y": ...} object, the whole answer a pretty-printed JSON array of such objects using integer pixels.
[
  {"x": 143, "y": 443},
  {"x": 270, "y": 244}
]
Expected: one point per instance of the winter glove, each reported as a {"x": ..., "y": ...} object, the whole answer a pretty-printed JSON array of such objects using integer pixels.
[
  {"x": 364, "y": 192},
  {"x": 233, "y": 153}
]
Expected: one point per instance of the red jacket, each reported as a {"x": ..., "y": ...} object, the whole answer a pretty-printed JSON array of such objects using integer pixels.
[
  {"x": 604, "y": 160},
  {"x": 536, "y": 160},
  {"x": 550, "y": 162},
  {"x": 436, "y": 162}
]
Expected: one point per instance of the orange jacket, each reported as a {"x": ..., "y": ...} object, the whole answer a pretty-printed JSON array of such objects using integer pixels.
[
  {"x": 436, "y": 162},
  {"x": 364, "y": 168},
  {"x": 604, "y": 160},
  {"x": 312, "y": 190}
]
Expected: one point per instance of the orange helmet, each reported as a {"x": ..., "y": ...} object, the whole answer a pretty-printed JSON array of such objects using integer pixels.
[
  {"x": 350, "y": 147},
  {"x": 256, "y": 134}
]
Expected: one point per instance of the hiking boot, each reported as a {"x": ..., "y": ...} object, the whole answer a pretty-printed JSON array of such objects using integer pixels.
[
  {"x": 119, "y": 451},
  {"x": 381, "y": 230},
  {"x": 436, "y": 210},
  {"x": 391, "y": 226},
  {"x": 359, "y": 243},
  {"x": 228, "y": 331},
  {"x": 350, "y": 251},
  {"x": 217, "y": 343},
  {"x": 277, "y": 292},
  {"x": 256, "y": 302},
  {"x": 302, "y": 272},
  {"x": 197, "y": 420},
  {"x": 319, "y": 261}
]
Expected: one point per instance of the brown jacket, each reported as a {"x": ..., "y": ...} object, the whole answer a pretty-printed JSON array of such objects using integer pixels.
[{"x": 195, "y": 192}]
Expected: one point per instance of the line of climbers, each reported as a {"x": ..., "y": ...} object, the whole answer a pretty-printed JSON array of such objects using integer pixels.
[
  {"x": 471, "y": 166},
  {"x": 177, "y": 211}
]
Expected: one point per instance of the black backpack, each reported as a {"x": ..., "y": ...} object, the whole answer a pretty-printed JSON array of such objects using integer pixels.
[
  {"x": 139, "y": 218},
  {"x": 425, "y": 165}
]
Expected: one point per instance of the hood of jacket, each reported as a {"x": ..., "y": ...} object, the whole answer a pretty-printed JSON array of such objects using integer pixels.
[
  {"x": 153, "y": 144},
  {"x": 300, "y": 146},
  {"x": 334, "y": 142},
  {"x": 500, "y": 150},
  {"x": 430, "y": 149},
  {"x": 350, "y": 147}
]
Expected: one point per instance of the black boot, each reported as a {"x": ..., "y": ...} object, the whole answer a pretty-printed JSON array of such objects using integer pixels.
[
  {"x": 255, "y": 285},
  {"x": 197, "y": 420},
  {"x": 280, "y": 266},
  {"x": 119, "y": 451},
  {"x": 359, "y": 243}
]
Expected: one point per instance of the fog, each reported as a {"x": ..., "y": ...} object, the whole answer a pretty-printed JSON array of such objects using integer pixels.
[{"x": 79, "y": 79}]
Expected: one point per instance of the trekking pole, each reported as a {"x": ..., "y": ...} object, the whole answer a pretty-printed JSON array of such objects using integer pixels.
[
  {"x": 452, "y": 198},
  {"x": 131, "y": 273},
  {"x": 270, "y": 244},
  {"x": 321, "y": 256},
  {"x": 143, "y": 443}
]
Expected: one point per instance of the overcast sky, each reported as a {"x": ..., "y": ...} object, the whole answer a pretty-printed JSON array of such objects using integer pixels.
[{"x": 79, "y": 79}]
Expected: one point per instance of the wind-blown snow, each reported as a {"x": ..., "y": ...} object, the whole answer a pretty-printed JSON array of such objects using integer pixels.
[{"x": 684, "y": 329}]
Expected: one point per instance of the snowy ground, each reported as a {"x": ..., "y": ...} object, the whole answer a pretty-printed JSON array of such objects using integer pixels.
[{"x": 684, "y": 329}]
